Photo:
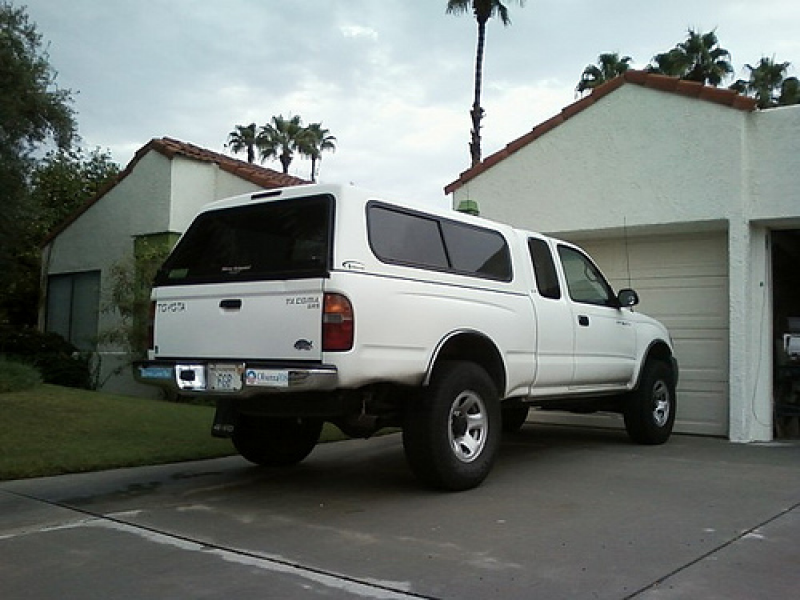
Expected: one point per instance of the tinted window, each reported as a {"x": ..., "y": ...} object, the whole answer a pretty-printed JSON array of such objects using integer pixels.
[
  {"x": 406, "y": 238},
  {"x": 585, "y": 282},
  {"x": 474, "y": 250},
  {"x": 419, "y": 240},
  {"x": 287, "y": 239},
  {"x": 544, "y": 268}
]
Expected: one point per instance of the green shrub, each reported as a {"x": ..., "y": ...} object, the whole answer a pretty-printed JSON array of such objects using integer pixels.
[
  {"x": 17, "y": 376},
  {"x": 58, "y": 361}
]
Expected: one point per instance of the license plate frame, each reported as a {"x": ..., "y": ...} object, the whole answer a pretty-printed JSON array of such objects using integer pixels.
[{"x": 225, "y": 377}]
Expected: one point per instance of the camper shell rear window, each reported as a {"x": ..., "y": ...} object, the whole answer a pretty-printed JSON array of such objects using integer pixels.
[
  {"x": 282, "y": 239},
  {"x": 414, "y": 239}
]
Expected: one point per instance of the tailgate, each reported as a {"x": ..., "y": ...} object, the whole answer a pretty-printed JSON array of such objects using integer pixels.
[{"x": 266, "y": 320}]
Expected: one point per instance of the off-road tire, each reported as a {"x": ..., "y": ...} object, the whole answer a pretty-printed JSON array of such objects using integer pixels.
[
  {"x": 451, "y": 434},
  {"x": 275, "y": 442},
  {"x": 649, "y": 411}
]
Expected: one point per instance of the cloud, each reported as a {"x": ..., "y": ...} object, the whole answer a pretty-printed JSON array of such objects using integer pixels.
[{"x": 358, "y": 31}]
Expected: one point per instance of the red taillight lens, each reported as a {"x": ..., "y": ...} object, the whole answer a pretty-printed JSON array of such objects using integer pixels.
[
  {"x": 338, "y": 324},
  {"x": 151, "y": 327}
]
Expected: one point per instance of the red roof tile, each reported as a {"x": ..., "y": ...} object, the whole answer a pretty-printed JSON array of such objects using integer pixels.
[
  {"x": 258, "y": 175},
  {"x": 662, "y": 83}
]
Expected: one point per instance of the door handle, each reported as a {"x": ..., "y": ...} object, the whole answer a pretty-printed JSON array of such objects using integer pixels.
[
  {"x": 583, "y": 320},
  {"x": 231, "y": 304}
]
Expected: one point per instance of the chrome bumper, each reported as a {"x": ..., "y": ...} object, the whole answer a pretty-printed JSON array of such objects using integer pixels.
[{"x": 233, "y": 378}]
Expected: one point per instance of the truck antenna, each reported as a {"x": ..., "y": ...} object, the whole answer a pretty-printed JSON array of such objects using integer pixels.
[{"x": 627, "y": 251}]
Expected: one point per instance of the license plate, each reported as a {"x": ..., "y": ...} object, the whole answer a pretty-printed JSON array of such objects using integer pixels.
[{"x": 225, "y": 378}]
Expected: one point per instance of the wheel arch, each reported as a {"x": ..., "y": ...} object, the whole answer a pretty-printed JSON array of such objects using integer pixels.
[
  {"x": 472, "y": 346},
  {"x": 659, "y": 350}
]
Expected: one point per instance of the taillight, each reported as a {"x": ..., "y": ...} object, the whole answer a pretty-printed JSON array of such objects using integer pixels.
[
  {"x": 338, "y": 324},
  {"x": 151, "y": 327}
]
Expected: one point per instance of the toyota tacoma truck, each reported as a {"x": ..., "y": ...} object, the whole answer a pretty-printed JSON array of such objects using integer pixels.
[{"x": 324, "y": 303}]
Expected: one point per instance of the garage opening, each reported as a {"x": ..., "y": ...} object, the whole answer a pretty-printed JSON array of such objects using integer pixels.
[{"x": 786, "y": 332}]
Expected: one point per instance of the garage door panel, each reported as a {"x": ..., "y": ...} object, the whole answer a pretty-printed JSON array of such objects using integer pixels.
[{"x": 682, "y": 280}]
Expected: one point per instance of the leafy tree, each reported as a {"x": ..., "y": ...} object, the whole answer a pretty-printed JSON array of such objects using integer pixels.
[
  {"x": 59, "y": 184},
  {"x": 244, "y": 138},
  {"x": 483, "y": 10},
  {"x": 33, "y": 113},
  {"x": 280, "y": 139},
  {"x": 314, "y": 141},
  {"x": 609, "y": 66},
  {"x": 769, "y": 85},
  {"x": 699, "y": 58},
  {"x": 65, "y": 180}
]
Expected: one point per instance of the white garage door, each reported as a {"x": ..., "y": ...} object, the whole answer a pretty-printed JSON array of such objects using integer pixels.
[{"x": 682, "y": 280}]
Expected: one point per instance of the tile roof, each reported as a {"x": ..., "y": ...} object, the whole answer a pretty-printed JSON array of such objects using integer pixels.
[
  {"x": 169, "y": 147},
  {"x": 662, "y": 83},
  {"x": 261, "y": 176}
]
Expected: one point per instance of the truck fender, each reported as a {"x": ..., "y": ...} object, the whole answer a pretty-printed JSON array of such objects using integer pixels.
[{"x": 473, "y": 346}]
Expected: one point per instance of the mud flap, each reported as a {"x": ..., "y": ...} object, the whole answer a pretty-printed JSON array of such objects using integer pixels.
[{"x": 224, "y": 419}]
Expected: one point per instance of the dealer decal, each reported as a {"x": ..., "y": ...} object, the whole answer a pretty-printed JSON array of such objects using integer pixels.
[{"x": 310, "y": 302}]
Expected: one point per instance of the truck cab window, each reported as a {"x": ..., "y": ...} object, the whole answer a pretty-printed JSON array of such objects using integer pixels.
[
  {"x": 585, "y": 281},
  {"x": 544, "y": 269}
]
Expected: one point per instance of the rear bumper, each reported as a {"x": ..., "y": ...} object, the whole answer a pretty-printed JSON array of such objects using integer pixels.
[{"x": 239, "y": 379}]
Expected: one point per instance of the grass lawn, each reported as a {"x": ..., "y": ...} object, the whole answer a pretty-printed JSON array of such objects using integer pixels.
[{"x": 52, "y": 430}]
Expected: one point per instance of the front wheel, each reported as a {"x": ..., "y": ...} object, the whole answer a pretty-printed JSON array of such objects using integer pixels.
[
  {"x": 452, "y": 433},
  {"x": 649, "y": 411},
  {"x": 275, "y": 442}
]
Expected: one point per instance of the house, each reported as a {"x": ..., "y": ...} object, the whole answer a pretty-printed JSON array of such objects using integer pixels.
[
  {"x": 690, "y": 195},
  {"x": 152, "y": 200}
]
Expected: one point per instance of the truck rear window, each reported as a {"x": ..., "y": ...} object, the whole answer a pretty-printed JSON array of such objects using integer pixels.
[{"x": 285, "y": 239}]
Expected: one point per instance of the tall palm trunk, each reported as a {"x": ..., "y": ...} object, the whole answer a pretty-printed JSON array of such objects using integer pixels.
[
  {"x": 476, "y": 113},
  {"x": 313, "y": 169}
]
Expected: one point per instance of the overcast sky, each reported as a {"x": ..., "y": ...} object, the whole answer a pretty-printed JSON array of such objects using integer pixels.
[{"x": 391, "y": 79}]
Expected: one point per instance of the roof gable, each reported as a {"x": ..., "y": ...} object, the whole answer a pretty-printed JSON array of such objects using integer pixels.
[
  {"x": 691, "y": 89},
  {"x": 170, "y": 148}
]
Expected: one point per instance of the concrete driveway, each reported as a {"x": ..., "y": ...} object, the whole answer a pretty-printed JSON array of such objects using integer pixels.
[{"x": 566, "y": 513}]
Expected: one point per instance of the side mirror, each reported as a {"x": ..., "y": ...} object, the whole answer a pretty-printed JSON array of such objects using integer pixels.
[{"x": 627, "y": 298}]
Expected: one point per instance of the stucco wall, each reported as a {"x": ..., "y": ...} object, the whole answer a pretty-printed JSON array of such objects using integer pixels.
[
  {"x": 638, "y": 155},
  {"x": 195, "y": 184},
  {"x": 101, "y": 235},
  {"x": 773, "y": 169}
]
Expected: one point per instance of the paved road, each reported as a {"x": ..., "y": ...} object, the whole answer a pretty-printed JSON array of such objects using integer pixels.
[{"x": 565, "y": 514}]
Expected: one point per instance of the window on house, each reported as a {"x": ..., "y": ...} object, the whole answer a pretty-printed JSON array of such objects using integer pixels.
[{"x": 73, "y": 306}]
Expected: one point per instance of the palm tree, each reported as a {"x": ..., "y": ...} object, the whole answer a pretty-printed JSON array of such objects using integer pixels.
[
  {"x": 314, "y": 141},
  {"x": 609, "y": 66},
  {"x": 699, "y": 58},
  {"x": 242, "y": 138},
  {"x": 483, "y": 10},
  {"x": 768, "y": 84},
  {"x": 279, "y": 139}
]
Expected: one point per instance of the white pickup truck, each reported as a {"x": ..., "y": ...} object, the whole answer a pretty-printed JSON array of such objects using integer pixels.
[{"x": 308, "y": 304}]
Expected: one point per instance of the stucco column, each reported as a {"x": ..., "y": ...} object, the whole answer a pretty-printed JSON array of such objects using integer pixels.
[{"x": 750, "y": 366}]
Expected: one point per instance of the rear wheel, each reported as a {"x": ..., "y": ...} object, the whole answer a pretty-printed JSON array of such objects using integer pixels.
[
  {"x": 275, "y": 442},
  {"x": 649, "y": 411},
  {"x": 451, "y": 435}
]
